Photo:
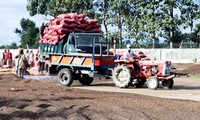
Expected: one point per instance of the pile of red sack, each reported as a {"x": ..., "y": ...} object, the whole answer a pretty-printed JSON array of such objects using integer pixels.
[{"x": 66, "y": 23}]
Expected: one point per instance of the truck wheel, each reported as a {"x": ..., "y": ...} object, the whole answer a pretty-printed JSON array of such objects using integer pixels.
[
  {"x": 65, "y": 77},
  {"x": 121, "y": 76},
  {"x": 168, "y": 84},
  {"x": 152, "y": 83},
  {"x": 85, "y": 80}
]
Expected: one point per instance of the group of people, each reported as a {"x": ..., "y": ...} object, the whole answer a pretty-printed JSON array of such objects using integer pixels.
[
  {"x": 23, "y": 61},
  {"x": 27, "y": 60},
  {"x": 7, "y": 58}
]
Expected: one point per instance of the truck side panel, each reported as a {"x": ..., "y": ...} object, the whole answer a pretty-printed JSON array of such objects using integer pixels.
[{"x": 75, "y": 61}]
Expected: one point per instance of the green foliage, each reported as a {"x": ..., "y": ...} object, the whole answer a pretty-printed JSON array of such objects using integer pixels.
[
  {"x": 28, "y": 33},
  {"x": 56, "y": 7},
  {"x": 12, "y": 46}
]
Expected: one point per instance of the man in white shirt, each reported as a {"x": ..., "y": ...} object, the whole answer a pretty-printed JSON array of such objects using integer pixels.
[{"x": 128, "y": 55}]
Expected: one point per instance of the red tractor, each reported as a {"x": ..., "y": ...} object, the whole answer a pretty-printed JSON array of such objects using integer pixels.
[{"x": 142, "y": 70}]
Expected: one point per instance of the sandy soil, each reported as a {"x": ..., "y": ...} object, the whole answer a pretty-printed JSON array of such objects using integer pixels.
[{"x": 47, "y": 99}]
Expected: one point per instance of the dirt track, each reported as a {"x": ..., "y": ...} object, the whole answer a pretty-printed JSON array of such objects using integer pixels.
[{"x": 32, "y": 99}]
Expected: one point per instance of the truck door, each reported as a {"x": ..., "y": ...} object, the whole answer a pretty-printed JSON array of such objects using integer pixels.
[{"x": 70, "y": 45}]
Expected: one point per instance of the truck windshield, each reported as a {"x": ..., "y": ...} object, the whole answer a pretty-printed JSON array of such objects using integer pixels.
[
  {"x": 85, "y": 43},
  {"x": 87, "y": 40}
]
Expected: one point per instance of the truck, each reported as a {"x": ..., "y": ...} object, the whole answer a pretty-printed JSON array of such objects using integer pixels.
[{"x": 79, "y": 56}]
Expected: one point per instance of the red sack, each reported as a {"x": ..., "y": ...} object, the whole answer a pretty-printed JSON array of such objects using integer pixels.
[
  {"x": 72, "y": 25},
  {"x": 49, "y": 36},
  {"x": 69, "y": 21},
  {"x": 54, "y": 42},
  {"x": 64, "y": 31},
  {"x": 83, "y": 26},
  {"x": 73, "y": 15},
  {"x": 91, "y": 21},
  {"x": 89, "y": 27},
  {"x": 81, "y": 16},
  {"x": 45, "y": 41},
  {"x": 78, "y": 30},
  {"x": 63, "y": 16},
  {"x": 46, "y": 30},
  {"x": 56, "y": 22},
  {"x": 52, "y": 27},
  {"x": 62, "y": 26},
  {"x": 96, "y": 25},
  {"x": 54, "y": 33},
  {"x": 45, "y": 36},
  {"x": 55, "y": 38},
  {"x": 50, "y": 31},
  {"x": 84, "y": 22}
]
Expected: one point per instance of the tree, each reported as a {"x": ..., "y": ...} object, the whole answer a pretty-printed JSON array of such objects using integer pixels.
[
  {"x": 170, "y": 20},
  {"x": 146, "y": 17},
  {"x": 119, "y": 9},
  {"x": 29, "y": 33},
  {"x": 56, "y": 7},
  {"x": 102, "y": 8},
  {"x": 196, "y": 35},
  {"x": 190, "y": 11}
]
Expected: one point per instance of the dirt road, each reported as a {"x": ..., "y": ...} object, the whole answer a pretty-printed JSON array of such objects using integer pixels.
[
  {"x": 184, "y": 88},
  {"x": 46, "y": 99}
]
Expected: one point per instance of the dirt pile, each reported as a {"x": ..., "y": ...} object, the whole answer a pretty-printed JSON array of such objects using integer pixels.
[{"x": 186, "y": 69}]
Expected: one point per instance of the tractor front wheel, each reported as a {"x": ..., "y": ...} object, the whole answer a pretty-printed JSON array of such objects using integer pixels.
[
  {"x": 121, "y": 76},
  {"x": 152, "y": 83}
]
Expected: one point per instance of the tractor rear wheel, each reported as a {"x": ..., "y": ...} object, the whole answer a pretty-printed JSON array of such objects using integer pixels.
[
  {"x": 122, "y": 76},
  {"x": 168, "y": 84},
  {"x": 65, "y": 77},
  {"x": 85, "y": 79},
  {"x": 152, "y": 83}
]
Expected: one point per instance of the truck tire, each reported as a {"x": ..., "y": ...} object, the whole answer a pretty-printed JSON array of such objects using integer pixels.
[
  {"x": 121, "y": 76},
  {"x": 152, "y": 83},
  {"x": 86, "y": 80},
  {"x": 168, "y": 84},
  {"x": 65, "y": 77}
]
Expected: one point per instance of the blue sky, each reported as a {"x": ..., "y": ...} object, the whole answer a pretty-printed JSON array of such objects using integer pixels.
[{"x": 11, "y": 12}]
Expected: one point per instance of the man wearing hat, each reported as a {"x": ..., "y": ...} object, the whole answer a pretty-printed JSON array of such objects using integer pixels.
[{"x": 128, "y": 55}]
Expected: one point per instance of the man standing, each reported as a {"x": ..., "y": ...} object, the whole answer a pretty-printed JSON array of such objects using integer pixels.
[
  {"x": 4, "y": 60},
  {"x": 8, "y": 58},
  {"x": 31, "y": 58},
  {"x": 42, "y": 30}
]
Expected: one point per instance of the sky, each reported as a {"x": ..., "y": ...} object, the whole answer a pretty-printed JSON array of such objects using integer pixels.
[{"x": 11, "y": 12}]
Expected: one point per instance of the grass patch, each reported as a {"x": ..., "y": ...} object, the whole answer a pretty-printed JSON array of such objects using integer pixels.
[{"x": 194, "y": 75}]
